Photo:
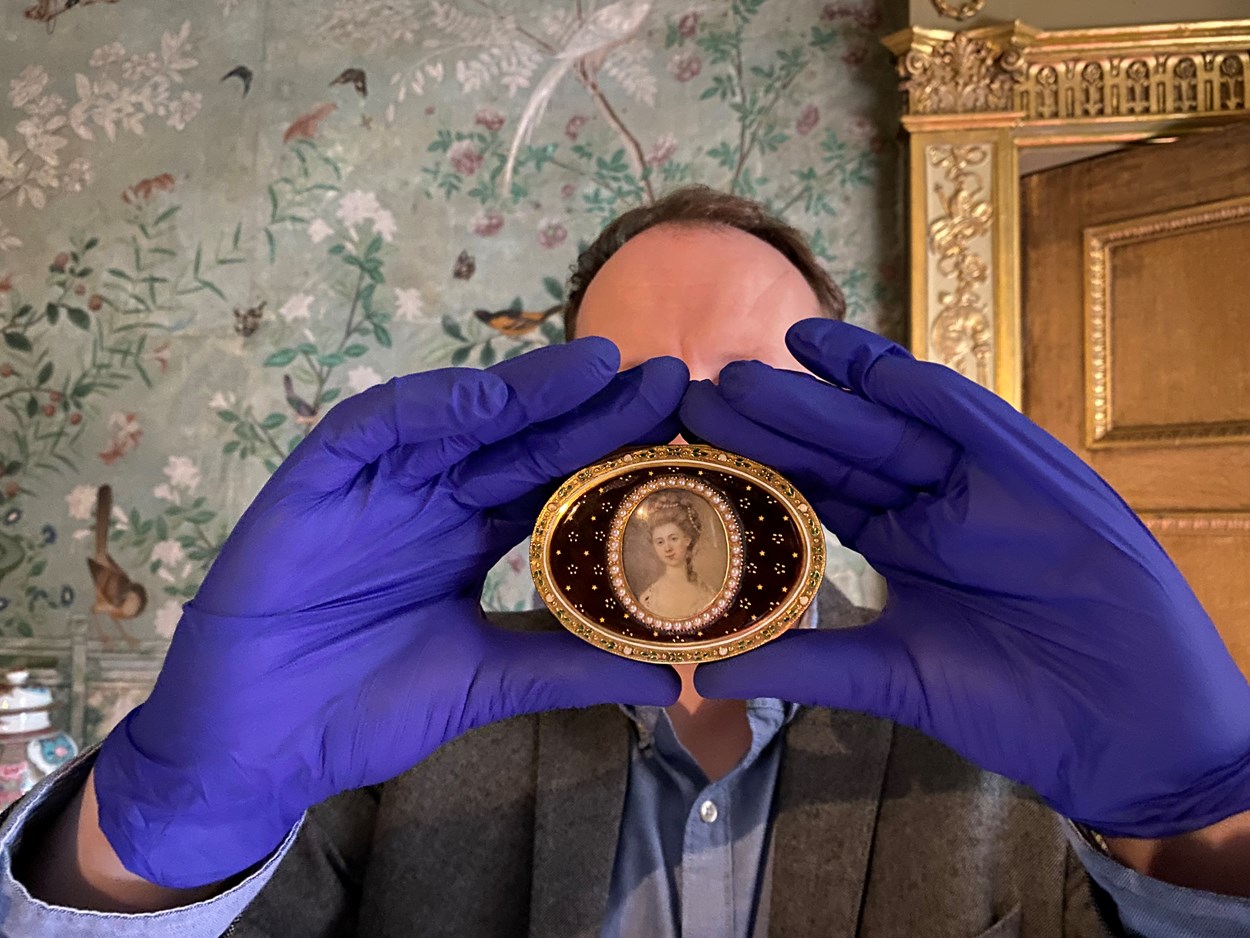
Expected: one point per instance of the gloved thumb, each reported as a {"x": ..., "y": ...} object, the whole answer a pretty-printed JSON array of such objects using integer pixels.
[
  {"x": 862, "y": 669},
  {"x": 556, "y": 670}
]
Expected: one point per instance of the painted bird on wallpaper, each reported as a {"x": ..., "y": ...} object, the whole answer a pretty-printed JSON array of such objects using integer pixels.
[
  {"x": 248, "y": 321},
  {"x": 244, "y": 74},
  {"x": 516, "y": 322},
  {"x": 356, "y": 78},
  {"x": 305, "y": 413},
  {"x": 46, "y": 11},
  {"x": 116, "y": 594},
  {"x": 590, "y": 44}
]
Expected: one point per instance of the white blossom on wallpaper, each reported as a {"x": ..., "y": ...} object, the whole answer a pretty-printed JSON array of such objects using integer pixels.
[{"x": 193, "y": 272}]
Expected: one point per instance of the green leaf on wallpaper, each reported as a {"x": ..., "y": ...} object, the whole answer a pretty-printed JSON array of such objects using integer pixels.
[
  {"x": 230, "y": 447},
  {"x": 44, "y": 373},
  {"x": 329, "y": 394},
  {"x": 273, "y": 421},
  {"x": 273, "y": 247},
  {"x": 211, "y": 286},
  {"x": 166, "y": 215},
  {"x": 78, "y": 317},
  {"x": 271, "y": 465},
  {"x": 38, "y": 567},
  {"x": 382, "y": 336},
  {"x": 32, "y": 407},
  {"x": 15, "y": 340},
  {"x": 91, "y": 242},
  {"x": 553, "y": 332},
  {"x": 355, "y": 351},
  {"x": 452, "y": 328},
  {"x": 460, "y": 355},
  {"x": 24, "y": 629},
  {"x": 229, "y": 416},
  {"x": 375, "y": 245},
  {"x": 283, "y": 356},
  {"x": 330, "y": 359},
  {"x": 119, "y": 274},
  {"x": 338, "y": 249},
  {"x": 555, "y": 288},
  {"x": 162, "y": 529},
  {"x": 202, "y": 517},
  {"x": 489, "y": 356},
  {"x": 143, "y": 374},
  {"x": 517, "y": 350}
]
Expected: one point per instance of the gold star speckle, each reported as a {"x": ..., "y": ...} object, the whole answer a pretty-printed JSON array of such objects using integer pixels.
[
  {"x": 794, "y": 555},
  {"x": 594, "y": 586},
  {"x": 761, "y": 517},
  {"x": 759, "y": 586}
]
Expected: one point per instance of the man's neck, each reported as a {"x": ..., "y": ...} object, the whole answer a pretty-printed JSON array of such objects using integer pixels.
[{"x": 714, "y": 732}]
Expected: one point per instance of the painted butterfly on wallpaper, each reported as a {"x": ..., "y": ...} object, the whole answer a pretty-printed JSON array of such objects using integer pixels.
[
  {"x": 116, "y": 594},
  {"x": 246, "y": 323},
  {"x": 515, "y": 322},
  {"x": 465, "y": 266}
]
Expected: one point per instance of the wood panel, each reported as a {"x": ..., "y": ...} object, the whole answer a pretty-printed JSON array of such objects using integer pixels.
[{"x": 1136, "y": 338}]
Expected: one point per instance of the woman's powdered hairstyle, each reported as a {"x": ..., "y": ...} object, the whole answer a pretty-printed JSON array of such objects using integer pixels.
[
  {"x": 702, "y": 206},
  {"x": 671, "y": 507}
]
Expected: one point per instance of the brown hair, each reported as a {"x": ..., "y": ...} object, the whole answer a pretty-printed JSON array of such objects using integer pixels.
[{"x": 702, "y": 206}]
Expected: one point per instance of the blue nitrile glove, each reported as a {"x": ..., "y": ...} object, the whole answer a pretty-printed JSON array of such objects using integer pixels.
[
  {"x": 1033, "y": 623},
  {"x": 338, "y": 639}
]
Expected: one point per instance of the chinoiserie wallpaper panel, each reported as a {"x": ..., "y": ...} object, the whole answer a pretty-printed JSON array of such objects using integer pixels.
[{"x": 218, "y": 218}]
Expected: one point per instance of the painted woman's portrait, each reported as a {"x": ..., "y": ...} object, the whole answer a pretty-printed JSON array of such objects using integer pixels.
[{"x": 675, "y": 555}]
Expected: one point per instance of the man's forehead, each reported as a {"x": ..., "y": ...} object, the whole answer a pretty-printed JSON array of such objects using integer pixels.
[
  {"x": 706, "y": 295},
  {"x": 670, "y": 265}
]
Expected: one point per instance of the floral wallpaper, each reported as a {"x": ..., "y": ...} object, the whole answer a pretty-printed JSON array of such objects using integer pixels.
[{"x": 218, "y": 219}]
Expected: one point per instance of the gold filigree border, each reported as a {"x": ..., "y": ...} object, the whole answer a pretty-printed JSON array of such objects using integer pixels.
[
  {"x": 767, "y": 627},
  {"x": 1203, "y": 524},
  {"x": 1100, "y": 241}
]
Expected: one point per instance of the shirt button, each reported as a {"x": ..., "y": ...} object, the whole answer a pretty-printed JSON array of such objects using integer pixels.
[{"x": 708, "y": 812}]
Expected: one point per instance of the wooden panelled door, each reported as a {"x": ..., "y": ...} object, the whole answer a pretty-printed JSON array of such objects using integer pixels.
[{"x": 1136, "y": 329}]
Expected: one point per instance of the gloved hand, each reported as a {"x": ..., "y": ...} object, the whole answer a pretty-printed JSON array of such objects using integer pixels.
[
  {"x": 1033, "y": 624},
  {"x": 338, "y": 639}
]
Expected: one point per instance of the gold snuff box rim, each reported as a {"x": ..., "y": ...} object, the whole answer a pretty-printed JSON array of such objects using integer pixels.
[{"x": 692, "y": 457}]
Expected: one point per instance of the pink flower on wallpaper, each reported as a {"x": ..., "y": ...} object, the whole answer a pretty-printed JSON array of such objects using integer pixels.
[
  {"x": 465, "y": 157},
  {"x": 567, "y": 190},
  {"x": 662, "y": 150},
  {"x": 862, "y": 130},
  {"x": 855, "y": 56},
  {"x": 486, "y": 224},
  {"x": 124, "y": 433},
  {"x": 688, "y": 25},
  {"x": 685, "y": 67},
  {"x": 551, "y": 233},
  {"x": 6, "y": 283},
  {"x": 866, "y": 16},
  {"x": 490, "y": 118},
  {"x": 575, "y": 125},
  {"x": 807, "y": 121}
]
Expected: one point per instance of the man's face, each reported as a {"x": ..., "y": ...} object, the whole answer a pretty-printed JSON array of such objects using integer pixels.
[{"x": 708, "y": 296}]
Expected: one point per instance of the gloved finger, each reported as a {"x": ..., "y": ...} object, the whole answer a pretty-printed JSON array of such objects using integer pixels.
[
  {"x": 705, "y": 410},
  {"x": 880, "y": 371},
  {"x": 864, "y": 669},
  {"x": 634, "y": 404},
  {"x": 536, "y": 671},
  {"x": 864, "y": 434},
  {"x": 436, "y": 417},
  {"x": 407, "y": 410}
]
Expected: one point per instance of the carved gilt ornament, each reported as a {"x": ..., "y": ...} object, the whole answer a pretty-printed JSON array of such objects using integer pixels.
[{"x": 959, "y": 11}]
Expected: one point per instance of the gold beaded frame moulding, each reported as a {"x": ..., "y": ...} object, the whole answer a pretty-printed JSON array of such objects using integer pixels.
[{"x": 758, "y": 532}]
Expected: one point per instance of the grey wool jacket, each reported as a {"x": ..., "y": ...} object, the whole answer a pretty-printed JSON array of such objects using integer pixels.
[{"x": 511, "y": 831}]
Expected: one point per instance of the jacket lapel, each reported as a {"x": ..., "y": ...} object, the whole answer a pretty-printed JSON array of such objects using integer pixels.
[
  {"x": 583, "y": 766},
  {"x": 827, "y": 804}
]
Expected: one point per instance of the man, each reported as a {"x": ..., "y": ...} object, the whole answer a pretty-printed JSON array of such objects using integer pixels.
[{"x": 335, "y": 660}]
